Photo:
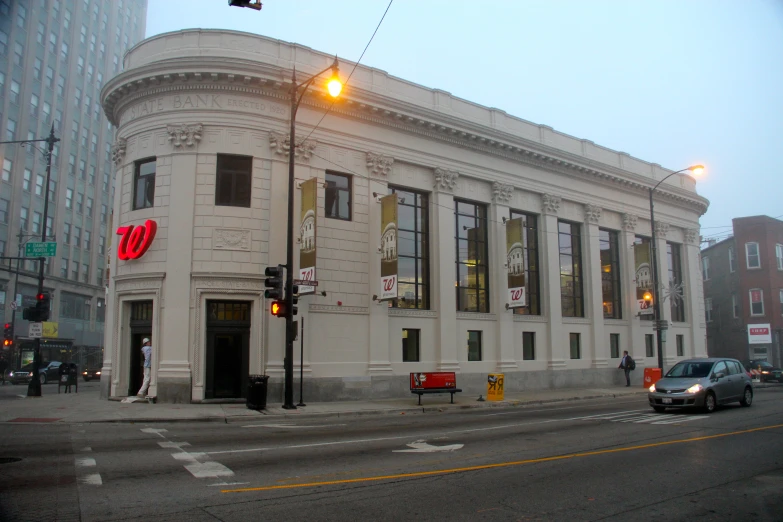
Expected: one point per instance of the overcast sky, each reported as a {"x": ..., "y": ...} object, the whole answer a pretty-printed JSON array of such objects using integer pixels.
[{"x": 674, "y": 82}]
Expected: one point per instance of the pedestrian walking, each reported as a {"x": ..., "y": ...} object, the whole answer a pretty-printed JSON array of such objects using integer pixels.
[
  {"x": 146, "y": 350},
  {"x": 627, "y": 364}
]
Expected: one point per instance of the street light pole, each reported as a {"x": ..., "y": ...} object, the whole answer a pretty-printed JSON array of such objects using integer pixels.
[
  {"x": 659, "y": 328},
  {"x": 288, "y": 363}
]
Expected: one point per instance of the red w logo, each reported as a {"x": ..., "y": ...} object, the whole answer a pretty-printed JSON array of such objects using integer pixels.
[
  {"x": 135, "y": 240},
  {"x": 388, "y": 284}
]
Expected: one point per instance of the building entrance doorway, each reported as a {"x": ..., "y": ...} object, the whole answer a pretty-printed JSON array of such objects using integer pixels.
[
  {"x": 228, "y": 349},
  {"x": 140, "y": 327}
]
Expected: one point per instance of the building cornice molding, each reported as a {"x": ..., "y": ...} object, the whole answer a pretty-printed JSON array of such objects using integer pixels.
[{"x": 154, "y": 79}]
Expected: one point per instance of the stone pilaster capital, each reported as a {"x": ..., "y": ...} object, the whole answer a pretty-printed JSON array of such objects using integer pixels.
[
  {"x": 502, "y": 192},
  {"x": 118, "y": 150},
  {"x": 592, "y": 214},
  {"x": 184, "y": 136},
  {"x": 446, "y": 180},
  {"x": 379, "y": 163},
  {"x": 550, "y": 204},
  {"x": 629, "y": 222},
  {"x": 692, "y": 236},
  {"x": 281, "y": 144},
  {"x": 661, "y": 229}
]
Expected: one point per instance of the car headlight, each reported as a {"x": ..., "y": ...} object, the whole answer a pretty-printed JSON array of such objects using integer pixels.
[
  {"x": 10, "y": 374},
  {"x": 97, "y": 373},
  {"x": 696, "y": 388},
  {"x": 765, "y": 372},
  {"x": 84, "y": 373},
  {"x": 30, "y": 374},
  {"x": 652, "y": 389}
]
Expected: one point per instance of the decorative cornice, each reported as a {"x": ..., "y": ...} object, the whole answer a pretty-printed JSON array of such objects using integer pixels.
[
  {"x": 281, "y": 144},
  {"x": 692, "y": 236},
  {"x": 661, "y": 229},
  {"x": 157, "y": 79},
  {"x": 502, "y": 192},
  {"x": 184, "y": 135},
  {"x": 629, "y": 222},
  {"x": 476, "y": 316},
  {"x": 592, "y": 214},
  {"x": 412, "y": 312},
  {"x": 379, "y": 163},
  {"x": 550, "y": 204},
  {"x": 446, "y": 179},
  {"x": 118, "y": 150},
  {"x": 334, "y": 309}
]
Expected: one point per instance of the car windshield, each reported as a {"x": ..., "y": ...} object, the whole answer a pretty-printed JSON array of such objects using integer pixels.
[
  {"x": 763, "y": 364},
  {"x": 690, "y": 369}
]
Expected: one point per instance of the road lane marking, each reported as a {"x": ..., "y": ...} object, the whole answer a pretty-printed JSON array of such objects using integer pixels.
[
  {"x": 209, "y": 469},
  {"x": 642, "y": 417},
  {"x": 228, "y": 484},
  {"x": 500, "y": 464},
  {"x": 421, "y": 446},
  {"x": 157, "y": 431},
  {"x": 176, "y": 445},
  {"x": 290, "y": 426},
  {"x": 93, "y": 479},
  {"x": 85, "y": 462}
]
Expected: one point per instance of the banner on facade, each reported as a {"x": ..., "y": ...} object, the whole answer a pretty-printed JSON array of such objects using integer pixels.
[
  {"x": 388, "y": 247},
  {"x": 515, "y": 259},
  {"x": 307, "y": 249},
  {"x": 641, "y": 252}
]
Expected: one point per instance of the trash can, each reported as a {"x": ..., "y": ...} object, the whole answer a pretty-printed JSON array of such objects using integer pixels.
[
  {"x": 256, "y": 392},
  {"x": 651, "y": 376},
  {"x": 495, "y": 386}
]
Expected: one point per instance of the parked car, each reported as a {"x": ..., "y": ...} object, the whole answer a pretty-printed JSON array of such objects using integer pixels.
[
  {"x": 702, "y": 383},
  {"x": 48, "y": 372},
  {"x": 769, "y": 372},
  {"x": 91, "y": 373}
]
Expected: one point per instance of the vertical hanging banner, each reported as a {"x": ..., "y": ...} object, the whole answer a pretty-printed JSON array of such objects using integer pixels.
[
  {"x": 388, "y": 247},
  {"x": 641, "y": 252},
  {"x": 307, "y": 236},
  {"x": 515, "y": 259}
]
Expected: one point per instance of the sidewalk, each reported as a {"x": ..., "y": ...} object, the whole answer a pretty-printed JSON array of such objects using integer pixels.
[{"x": 87, "y": 407}]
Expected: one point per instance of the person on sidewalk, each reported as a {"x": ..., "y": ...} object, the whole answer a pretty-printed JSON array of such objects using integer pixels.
[
  {"x": 627, "y": 364},
  {"x": 146, "y": 350}
]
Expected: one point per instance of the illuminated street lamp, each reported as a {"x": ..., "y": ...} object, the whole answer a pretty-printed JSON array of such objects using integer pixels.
[
  {"x": 334, "y": 87},
  {"x": 659, "y": 327}
]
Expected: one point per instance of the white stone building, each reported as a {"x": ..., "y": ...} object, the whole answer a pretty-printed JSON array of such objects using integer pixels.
[{"x": 202, "y": 116}]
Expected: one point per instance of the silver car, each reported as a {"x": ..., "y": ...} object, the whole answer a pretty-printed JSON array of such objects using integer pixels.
[{"x": 702, "y": 383}]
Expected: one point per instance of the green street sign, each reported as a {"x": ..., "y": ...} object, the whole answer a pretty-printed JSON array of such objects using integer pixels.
[{"x": 40, "y": 249}]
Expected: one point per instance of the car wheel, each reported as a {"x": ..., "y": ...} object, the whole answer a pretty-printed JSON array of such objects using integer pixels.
[
  {"x": 747, "y": 397},
  {"x": 659, "y": 409},
  {"x": 43, "y": 378},
  {"x": 710, "y": 402}
]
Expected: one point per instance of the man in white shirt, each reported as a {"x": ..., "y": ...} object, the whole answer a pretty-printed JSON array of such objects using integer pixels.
[{"x": 146, "y": 350}]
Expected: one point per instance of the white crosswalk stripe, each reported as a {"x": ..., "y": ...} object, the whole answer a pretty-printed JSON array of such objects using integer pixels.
[{"x": 642, "y": 417}]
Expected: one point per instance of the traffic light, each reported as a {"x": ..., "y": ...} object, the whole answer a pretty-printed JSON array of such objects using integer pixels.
[
  {"x": 42, "y": 304},
  {"x": 294, "y": 300},
  {"x": 273, "y": 282},
  {"x": 252, "y": 4},
  {"x": 278, "y": 308},
  {"x": 8, "y": 335}
]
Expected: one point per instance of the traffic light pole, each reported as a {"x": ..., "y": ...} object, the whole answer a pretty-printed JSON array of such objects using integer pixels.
[{"x": 288, "y": 362}]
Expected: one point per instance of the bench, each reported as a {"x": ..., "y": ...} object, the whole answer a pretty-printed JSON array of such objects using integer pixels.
[{"x": 434, "y": 382}]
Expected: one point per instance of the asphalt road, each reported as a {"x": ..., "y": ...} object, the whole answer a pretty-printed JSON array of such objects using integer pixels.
[{"x": 583, "y": 460}]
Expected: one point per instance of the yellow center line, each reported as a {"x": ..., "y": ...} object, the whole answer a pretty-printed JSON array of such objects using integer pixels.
[{"x": 498, "y": 464}]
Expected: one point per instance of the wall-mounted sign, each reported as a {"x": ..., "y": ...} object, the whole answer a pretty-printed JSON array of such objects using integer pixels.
[
  {"x": 759, "y": 334},
  {"x": 388, "y": 247},
  {"x": 307, "y": 235},
  {"x": 136, "y": 239}
]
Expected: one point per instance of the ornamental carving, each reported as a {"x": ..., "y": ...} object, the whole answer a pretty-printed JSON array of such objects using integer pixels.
[
  {"x": 379, "y": 163},
  {"x": 629, "y": 222},
  {"x": 550, "y": 204},
  {"x": 502, "y": 192},
  {"x": 446, "y": 179},
  {"x": 118, "y": 150},
  {"x": 281, "y": 145},
  {"x": 593, "y": 213},
  {"x": 691, "y": 235},
  {"x": 184, "y": 135},
  {"x": 661, "y": 229},
  {"x": 227, "y": 239}
]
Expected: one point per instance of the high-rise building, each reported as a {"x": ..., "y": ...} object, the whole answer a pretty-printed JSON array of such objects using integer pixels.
[{"x": 55, "y": 56}]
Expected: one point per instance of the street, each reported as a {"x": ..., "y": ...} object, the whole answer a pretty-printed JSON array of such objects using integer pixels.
[{"x": 608, "y": 459}]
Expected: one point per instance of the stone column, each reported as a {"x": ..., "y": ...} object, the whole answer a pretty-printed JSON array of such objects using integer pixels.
[
  {"x": 635, "y": 344},
  {"x": 594, "y": 288},
  {"x": 550, "y": 291},
  {"x": 443, "y": 250},
  {"x": 506, "y": 354},
  {"x": 378, "y": 341},
  {"x": 693, "y": 296}
]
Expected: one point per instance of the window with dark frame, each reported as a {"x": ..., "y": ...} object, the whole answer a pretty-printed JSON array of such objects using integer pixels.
[
  {"x": 614, "y": 346},
  {"x": 680, "y": 345},
  {"x": 233, "y": 181},
  {"x": 413, "y": 264},
  {"x": 532, "y": 292},
  {"x": 673, "y": 250},
  {"x": 474, "y": 345},
  {"x": 411, "y": 343},
  {"x": 570, "y": 244},
  {"x": 610, "y": 274},
  {"x": 575, "y": 345},
  {"x": 144, "y": 184},
  {"x": 756, "y": 301},
  {"x": 472, "y": 284},
  {"x": 528, "y": 346},
  {"x": 337, "y": 196},
  {"x": 649, "y": 345}
]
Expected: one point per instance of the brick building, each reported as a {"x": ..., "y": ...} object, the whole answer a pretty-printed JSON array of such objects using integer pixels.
[{"x": 743, "y": 288}]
